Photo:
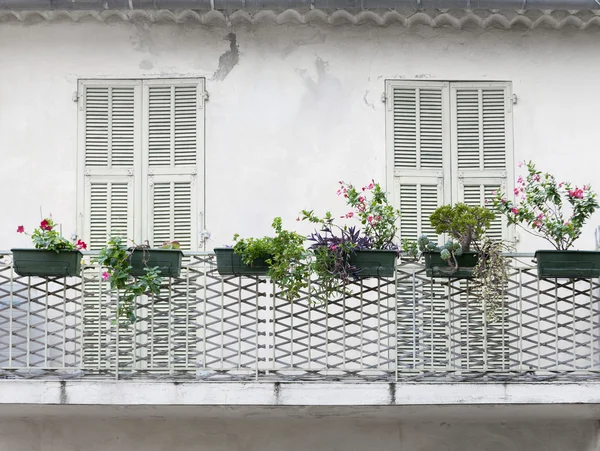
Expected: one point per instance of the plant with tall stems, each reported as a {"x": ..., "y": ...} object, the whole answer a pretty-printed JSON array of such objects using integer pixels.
[{"x": 554, "y": 211}]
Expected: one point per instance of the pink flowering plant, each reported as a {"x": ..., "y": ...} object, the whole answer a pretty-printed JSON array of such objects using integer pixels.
[
  {"x": 375, "y": 227},
  {"x": 47, "y": 237},
  {"x": 554, "y": 211}
]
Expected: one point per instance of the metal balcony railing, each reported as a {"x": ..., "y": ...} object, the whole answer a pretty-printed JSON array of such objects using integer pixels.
[{"x": 207, "y": 327}]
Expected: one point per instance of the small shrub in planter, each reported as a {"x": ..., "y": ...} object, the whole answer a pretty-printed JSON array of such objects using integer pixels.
[
  {"x": 556, "y": 212},
  {"x": 486, "y": 264},
  {"x": 465, "y": 224},
  {"x": 53, "y": 256},
  {"x": 281, "y": 257}
]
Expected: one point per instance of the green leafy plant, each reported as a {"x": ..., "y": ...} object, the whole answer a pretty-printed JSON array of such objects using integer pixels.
[
  {"x": 543, "y": 205},
  {"x": 333, "y": 244},
  {"x": 47, "y": 237},
  {"x": 116, "y": 258},
  {"x": 465, "y": 223},
  {"x": 284, "y": 254}
]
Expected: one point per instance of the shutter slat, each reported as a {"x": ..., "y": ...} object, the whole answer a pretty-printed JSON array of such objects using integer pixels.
[
  {"x": 480, "y": 127},
  {"x": 172, "y": 213},
  {"x": 417, "y": 202},
  {"x": 109, "y": 212},
  {"x": 109, "y": 126},
  {"x": 418, "y": 127},
  {"x": 172, "y": 125}
]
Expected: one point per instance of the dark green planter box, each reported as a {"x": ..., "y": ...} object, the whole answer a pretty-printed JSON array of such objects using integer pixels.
[
  {"x": 167, "y": 260},
  {"x": 568, "y": 264},
  {"x": 374, "y": 262},
  {"x": 230, "y": 264},
  {"x": 435, "y": 266},
  {"x": 43, "y": 263}
]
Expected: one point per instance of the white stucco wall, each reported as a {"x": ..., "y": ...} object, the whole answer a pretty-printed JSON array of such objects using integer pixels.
[
  {"x": 300, "y": 110},
  {"x": 264, "y": 434}
]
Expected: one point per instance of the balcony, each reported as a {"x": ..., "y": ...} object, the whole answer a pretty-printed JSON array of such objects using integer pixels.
[{"x": 206, "y": 327}]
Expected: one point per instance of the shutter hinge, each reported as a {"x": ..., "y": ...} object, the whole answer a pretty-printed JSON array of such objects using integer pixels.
[
  {"x": 384, "y": 97},
  {"x": 75, "y": 96},
  {"x": 514, "y": 99},
  {"x": 205, "y": 96}
]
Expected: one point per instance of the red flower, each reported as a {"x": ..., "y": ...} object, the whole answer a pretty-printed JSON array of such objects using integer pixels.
[
  {"x": 20, "y": 229},
  {"x": 81, "y": 245},
  {"x": 45, "y": 225}
]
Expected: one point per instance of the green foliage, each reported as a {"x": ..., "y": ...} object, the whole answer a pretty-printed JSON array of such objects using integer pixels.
[
  {"x": 117, "y": 259},
  {"x": 46, "y": 237},
  {"x": 284, "y": 254},
  {"x": 543, "y": 205},
  {"x": 175, "y": 245},
  {"x": 378, "y": 218},
  {"x": 465, "y": 223},
  {"x": 410, "y": 249}
]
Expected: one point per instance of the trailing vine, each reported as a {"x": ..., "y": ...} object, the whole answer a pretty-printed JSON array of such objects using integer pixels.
[{"x": 116, "y": 258}]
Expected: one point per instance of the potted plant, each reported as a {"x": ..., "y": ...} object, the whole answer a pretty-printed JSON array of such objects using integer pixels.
[
  {"x": 345, "y": 253},
  {"x": 465, "y": 225},
  {"x": 469, "y": 254},
  {"x": 282, "y": 258},
  {"x": 167, "y": 259},
  {"x": 118, "y": 259},
  {"x": 556, "y": 212},
  {"x": 53, "y": 256}
]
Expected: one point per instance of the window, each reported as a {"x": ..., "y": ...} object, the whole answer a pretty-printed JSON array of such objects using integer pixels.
[
  {"x": 447, "y": 142},
  {"x": 141, "y": 154}
]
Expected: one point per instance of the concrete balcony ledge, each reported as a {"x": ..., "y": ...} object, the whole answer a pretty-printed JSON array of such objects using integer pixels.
[{"x": 154, "y": 393}]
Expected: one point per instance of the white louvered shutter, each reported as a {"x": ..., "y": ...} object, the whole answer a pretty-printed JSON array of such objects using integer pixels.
[
  {"x": 109, "y": 132},
  {"x": 109, "y": 139},
  {"x": 417, "y": 128},
  {"x": 482, "y": 143},
  {"x": 173, "y": 135}
]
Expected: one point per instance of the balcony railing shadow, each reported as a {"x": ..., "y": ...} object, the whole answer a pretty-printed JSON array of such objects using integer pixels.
[{"x": 206, "y": 327}]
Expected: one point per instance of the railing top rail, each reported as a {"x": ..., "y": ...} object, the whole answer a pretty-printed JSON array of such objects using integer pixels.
[{"x": 207, "y": 253}]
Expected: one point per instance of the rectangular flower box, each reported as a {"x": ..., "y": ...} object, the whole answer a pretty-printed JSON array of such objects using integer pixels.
[
  {"x": 568, "y": 264},
  {"x": 167, "y": 260},
  {"x": 435, "y": 266},
  {"x": 230, "y": 264},
  {"x": 44, "y": 263},
  {"x": 374, "y": 262}
]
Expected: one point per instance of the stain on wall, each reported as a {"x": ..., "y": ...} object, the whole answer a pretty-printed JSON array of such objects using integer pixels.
[{"x": 229, "y": 59}]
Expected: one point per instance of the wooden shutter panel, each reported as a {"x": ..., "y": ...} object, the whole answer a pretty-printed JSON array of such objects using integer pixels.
[
  {"x": 417, "y": 128},
  {"x": 482, "y": 142},
  {"x": 173, "y": 211},
  {"x": 173, "y": 135},
  {"x": 173, "y": 123},
  {"x": 109, "y": 126},
  {"x": 109, "y": 115},
  {"x": 109, "y": 209},
  {"x": 480, "y": 126}
]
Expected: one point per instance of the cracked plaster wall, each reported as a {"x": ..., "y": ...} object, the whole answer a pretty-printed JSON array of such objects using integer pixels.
[
  {"x": 101, "y": 434},
  {"x": 292, "y": 109}
]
